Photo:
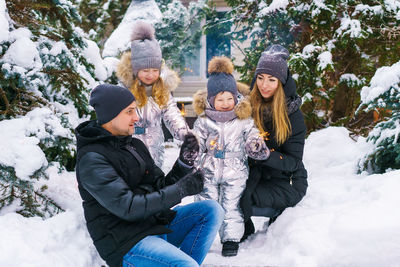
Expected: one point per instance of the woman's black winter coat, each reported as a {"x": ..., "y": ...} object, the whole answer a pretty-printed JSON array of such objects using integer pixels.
[
  {"x": 124, "y": 198},
  {"x": 281, "y": 180}
]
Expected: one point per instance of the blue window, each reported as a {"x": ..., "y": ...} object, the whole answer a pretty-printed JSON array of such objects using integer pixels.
[{"x": 218, "y": 44}]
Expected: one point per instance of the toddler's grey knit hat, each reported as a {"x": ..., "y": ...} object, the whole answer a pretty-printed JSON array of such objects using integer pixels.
[
  {"x": 145, "y": 50},
  {"x": 109, "y": 100},
  {"x": 273, "y": 62},
  {"x": 221, "y": 78}
]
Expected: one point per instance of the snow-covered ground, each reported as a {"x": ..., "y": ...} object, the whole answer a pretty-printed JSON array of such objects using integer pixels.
[{"x": 346, "y": 219}]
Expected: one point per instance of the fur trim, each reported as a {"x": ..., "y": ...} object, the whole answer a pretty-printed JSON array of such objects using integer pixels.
[
  {"x": 243, "y": 88},
  {"x": 124, "y": 73},
  {"x": 170, "y": 78},
  {"x": 142, "y": 30},
  {"x": 220, "y": 64},
  {"x": 200, "y": 101},
  {"x": 242, "y": 109},
  {"x": 124, "y": 70}
]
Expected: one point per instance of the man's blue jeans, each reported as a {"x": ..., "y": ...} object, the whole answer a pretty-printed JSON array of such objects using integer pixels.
[{"x": 194, "y": 229}]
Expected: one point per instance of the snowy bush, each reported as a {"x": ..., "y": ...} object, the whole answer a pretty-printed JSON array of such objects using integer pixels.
[
  {"x": 182, "y": 22},
  {"x": 101, "y": 17},
  {"x": 177, "y": 29},
  {"x": 383, "y": 96},
  {"x": 46, "y": 74},
  {"x": 327, "y": 39}
]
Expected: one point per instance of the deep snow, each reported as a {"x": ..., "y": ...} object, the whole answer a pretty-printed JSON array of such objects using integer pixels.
[{"x": 346, "y": 219}]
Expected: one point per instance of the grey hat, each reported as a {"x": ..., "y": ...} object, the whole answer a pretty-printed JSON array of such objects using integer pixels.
[
  {"x": 145, "y": 50},
  {"x": 109, "y": 100},
  {"x": 221, "y": 78},
  {"x": 273, "y": 62}
]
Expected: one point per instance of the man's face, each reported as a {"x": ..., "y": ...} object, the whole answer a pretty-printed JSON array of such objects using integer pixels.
[{"x": 124, "y": 123}]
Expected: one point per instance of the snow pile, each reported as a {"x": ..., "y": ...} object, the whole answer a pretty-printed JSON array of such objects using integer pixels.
[
  {"x": 62, "y": 240},
  {"x": 19, "y": 140},
  {"x": 344, "y": 220},
  {"x": 273, "y": 7},
  {"x": 383, "y": 80}
]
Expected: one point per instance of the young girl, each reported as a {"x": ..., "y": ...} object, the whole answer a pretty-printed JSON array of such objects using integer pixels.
[
  {"x": 226, "y": 134},
  {"x": 142, "y": 72},
  {"x": 281, "y": 180}
]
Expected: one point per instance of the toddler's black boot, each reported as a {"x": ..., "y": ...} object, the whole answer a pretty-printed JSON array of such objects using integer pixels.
[{"x": 230, "y": 248}]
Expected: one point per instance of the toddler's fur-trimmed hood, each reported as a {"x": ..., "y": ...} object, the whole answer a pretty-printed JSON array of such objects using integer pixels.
[
  {"x": 125, "y": 73},
  {"x": 242, "y": 109}
]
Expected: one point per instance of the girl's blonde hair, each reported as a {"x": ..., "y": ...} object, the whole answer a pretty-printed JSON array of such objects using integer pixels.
[
  {"x": 280, "y": 119},
  {"x": 159, "y": 92}
]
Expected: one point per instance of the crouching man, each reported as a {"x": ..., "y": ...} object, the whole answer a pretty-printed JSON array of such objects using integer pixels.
[{"x": 127, "y": 199}]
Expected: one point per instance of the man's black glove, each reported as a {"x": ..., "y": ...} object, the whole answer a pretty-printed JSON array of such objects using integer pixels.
[
  {"x": 189, "y": 150},
  {"x": 191, "y": 184}
]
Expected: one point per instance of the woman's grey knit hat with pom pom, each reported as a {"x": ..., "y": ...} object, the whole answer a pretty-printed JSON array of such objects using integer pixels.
[
  {"x": 145, "y": 50},
  {"x": 273, "y": 62}
]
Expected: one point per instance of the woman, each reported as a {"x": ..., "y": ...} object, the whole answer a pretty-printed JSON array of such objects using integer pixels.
[
  {"x": 281, "y": 180},
  {"x": 142, "y": 72}
]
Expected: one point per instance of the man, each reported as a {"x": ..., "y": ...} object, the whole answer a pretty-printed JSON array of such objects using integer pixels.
[{"x": 127, "y": 199}]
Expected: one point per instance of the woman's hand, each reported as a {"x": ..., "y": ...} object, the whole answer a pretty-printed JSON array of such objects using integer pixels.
[{"x": 257, "y": 149}]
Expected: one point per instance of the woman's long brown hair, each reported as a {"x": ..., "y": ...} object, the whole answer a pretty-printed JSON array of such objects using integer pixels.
[
  {"x": 159, "y": 92},
  {"x": 280, "y": 119}
]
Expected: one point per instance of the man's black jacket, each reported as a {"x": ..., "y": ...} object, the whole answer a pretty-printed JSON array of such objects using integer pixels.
[{"x": 126, "y": 197}]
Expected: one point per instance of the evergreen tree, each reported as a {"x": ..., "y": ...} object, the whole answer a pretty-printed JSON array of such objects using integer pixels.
[
  {"x": 179, "y": 31},
  {"x": 101, "y": 17},
  {"x": 335, "y": 58},
  {"x": 383, "y": 96},
  {"x": 330, "y": 42},
  {"x": 42, "y": 66},
  {"x": 256, "y": 23},
  {"x": 163, "y": 4}
]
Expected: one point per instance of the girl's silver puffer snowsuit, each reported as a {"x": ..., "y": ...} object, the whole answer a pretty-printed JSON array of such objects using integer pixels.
[
  {"x": 223, "y": 158},
  {"x": 151, "y": 115}
]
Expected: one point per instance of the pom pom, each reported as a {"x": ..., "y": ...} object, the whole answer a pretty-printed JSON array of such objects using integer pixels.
[
  {"x": 220, "y": 64},
  {"x": 277, "y": 50},
  {"x": 142, "y": 30}
]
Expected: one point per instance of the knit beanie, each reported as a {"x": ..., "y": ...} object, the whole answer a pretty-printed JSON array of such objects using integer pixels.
[
  {"x": 221, "y": 78},
  {"x": 273, "y": 62},
  {"x": 109, "y": 100},
  {"x": 145, "y": 50}
]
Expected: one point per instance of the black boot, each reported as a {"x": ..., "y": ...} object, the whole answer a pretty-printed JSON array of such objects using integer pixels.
[
  {"x": 248, "y": 230},
  {"x": 273, "y": 219},
  {"x": 230, "y": 248}
]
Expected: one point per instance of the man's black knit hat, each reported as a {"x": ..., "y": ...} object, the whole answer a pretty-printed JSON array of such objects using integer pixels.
[{"x": 109, "y": 100}]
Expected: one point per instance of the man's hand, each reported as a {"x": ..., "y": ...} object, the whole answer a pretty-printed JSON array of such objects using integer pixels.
[
  {"x": 191, "y": 184},
  {"x": 189, "y": 150}
]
